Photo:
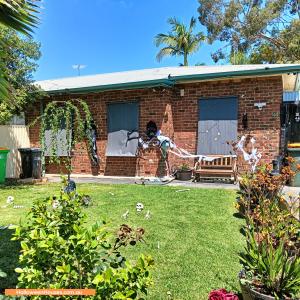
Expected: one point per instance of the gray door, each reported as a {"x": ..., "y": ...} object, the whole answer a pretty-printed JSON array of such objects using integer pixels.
[{"x": 217, "y": 124}]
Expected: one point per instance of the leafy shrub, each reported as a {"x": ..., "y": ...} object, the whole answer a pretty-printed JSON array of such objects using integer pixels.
[
  {"x": 58, "y": 251},
  {"x": 271, "y": 258},
  {"x": 262, "y": 184},
  {"x": 270, "y": 269}
]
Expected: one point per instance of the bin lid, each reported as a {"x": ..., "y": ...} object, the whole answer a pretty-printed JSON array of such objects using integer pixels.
[
  {"x": 36, "y": 149},
  {"x": 24, "y": 149}
]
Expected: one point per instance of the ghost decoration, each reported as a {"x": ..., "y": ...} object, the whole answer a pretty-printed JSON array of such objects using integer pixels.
[
  {"x": 139, "y": 207},
  {"x": 10, "y": 199}
]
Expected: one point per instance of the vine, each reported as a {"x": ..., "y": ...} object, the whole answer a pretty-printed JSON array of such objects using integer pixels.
[{"x": 74, "y": 115}]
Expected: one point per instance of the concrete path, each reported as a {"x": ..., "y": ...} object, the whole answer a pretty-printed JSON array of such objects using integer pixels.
[{"x": 131, "y": 180}]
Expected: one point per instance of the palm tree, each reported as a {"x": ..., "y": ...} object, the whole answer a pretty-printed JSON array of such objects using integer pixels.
[
  {"x": 20, "y": 15},
  {"x": 180, "y": 41}
]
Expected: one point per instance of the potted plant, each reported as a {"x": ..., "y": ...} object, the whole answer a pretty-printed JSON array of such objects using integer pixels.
[
  {"x": 184, "y": 173},
  {"x": 271, "y": 258}
]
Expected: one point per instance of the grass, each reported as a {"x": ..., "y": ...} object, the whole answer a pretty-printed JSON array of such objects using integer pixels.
[{"x": 192, "y": 235}]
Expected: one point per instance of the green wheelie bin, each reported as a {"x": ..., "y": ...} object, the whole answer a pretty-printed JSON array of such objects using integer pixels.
[
  {"x": 295, "y": 153},
  {"x": 3, "y": 159}
]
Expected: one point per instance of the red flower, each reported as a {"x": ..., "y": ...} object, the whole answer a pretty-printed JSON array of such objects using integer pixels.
[{"x": 222, "y": 294}]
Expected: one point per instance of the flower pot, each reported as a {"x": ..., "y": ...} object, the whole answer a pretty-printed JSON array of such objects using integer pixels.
[
  {"x": 249, "y": 293},
  {"x": 184, "y": 175}
]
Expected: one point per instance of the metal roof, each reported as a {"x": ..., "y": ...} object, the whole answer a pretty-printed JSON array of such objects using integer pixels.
[{"x": 160, "y": 77}]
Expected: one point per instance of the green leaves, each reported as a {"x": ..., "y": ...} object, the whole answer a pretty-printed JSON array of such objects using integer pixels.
[{"x": 59, "y": 251}]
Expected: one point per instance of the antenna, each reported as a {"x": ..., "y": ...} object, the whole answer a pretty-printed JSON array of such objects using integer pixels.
[{"x": 78, "y": 68}]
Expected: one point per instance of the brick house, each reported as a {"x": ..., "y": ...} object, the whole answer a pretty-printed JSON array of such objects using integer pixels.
[{"x": 199, "y": 108}]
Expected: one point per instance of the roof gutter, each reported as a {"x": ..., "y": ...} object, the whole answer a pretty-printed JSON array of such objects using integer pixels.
[
  {"x": 121, "y": 86},
  {"x": 263, "y": 72}
]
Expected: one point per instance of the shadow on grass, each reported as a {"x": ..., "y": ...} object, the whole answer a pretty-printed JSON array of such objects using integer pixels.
[
  {"x": 9, "y": 255},
  {"x": 238, "y": 215}
]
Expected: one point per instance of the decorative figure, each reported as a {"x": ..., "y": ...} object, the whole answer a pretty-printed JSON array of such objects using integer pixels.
[
  {"x": 125, "y": 215},
  {"x": 10, "y": 199},
  {"x": 139, "y": 207},
  {"x": 148, "y": 215}
]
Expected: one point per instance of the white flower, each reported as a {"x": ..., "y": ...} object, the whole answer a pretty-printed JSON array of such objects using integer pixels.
[{"x": 10, "y": 199}]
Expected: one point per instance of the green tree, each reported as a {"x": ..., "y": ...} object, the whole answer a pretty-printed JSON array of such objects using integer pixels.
[
  {"x": 264, "y": 31},
  {"x": 180, "y": 41},
  {"x": 19, "y": 56}
]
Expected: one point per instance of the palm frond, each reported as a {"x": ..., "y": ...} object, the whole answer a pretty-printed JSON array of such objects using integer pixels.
[
  {"x": 166, "y": 51},
  {"x": 20, "y": 15}
]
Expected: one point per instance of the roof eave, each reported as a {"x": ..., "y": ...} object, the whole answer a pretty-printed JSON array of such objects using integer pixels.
[
  {"x": 120, "y": 86},
  {"x": 263, "y": 72}
]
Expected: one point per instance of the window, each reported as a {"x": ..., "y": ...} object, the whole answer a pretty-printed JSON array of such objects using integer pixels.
[{"x": 122, "y": 127}]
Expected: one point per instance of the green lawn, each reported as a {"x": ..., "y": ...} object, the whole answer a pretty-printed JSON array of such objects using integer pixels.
[{"x": 192, "y": 235}]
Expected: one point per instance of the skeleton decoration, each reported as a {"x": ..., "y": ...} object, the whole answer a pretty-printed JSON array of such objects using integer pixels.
[
  {"x": 18, "y": 206},
  {"x": 10, "y": 199},
  {"x": 139, "y": 207},
  {"x": 125, "y": 215},
  {"x": 55, "y": 203},
  {"x": 148, "y": 215},
  {"x": 86, "y": 200},
  {"x": 251, "y": 157}
]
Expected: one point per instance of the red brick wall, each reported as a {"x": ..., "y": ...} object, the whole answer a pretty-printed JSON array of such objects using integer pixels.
[{"x": 177, "y": 117}]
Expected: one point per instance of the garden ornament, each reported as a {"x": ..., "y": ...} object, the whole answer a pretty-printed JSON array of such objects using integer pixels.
[
  {"x": 71, "y": 187},
  {"x": 125, "y": 215},
  {"x": 148, "y": 215},
  {"x": 10, "y": 199},
  {"x": 55, "y": 203},
  {"x": 139, "y": 207},
  {"x": 18, "y": 206},
  {"x": 86, "y": 199}
]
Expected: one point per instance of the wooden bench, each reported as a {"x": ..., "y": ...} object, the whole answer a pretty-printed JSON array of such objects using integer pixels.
[{"x": 223, "y": 167}]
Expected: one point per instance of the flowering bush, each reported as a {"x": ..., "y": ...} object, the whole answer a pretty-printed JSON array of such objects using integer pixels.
[{"x": 59, "y": 251}]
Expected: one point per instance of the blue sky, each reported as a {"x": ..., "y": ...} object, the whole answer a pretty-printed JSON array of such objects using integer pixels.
[{"x": 108, "y": 35}]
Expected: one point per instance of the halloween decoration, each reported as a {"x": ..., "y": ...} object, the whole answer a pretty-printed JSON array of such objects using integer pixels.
[
  {"x": 253, "y": 156},
  {"x": 125, "y": 215},
  {"x": 10, "y": 199},
  {"x": 93, "y": 137},
  {"x": 148, "y": 215},
  {"x": 139, "y": 207}
]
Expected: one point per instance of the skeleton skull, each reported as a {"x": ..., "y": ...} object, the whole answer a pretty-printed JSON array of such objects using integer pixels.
[
  {"x": 10, "y": 199},
  {"x": 139, "y": 207}
]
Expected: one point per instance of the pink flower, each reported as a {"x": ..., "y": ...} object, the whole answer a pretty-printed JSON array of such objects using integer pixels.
[{"x": 222, "y": 294}]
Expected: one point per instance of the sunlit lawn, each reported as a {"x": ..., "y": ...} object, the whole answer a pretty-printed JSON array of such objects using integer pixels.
[{"x": 192, "y": 235}]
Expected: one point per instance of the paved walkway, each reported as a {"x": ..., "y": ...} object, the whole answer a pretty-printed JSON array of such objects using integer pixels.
[{"x": 131, "y": 180}]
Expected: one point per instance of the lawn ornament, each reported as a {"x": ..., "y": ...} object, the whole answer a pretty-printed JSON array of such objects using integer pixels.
[
  {"x": 10, "y": 199},
  {"x": 55, "y": 203},
  {"x": 71, "y": 187},
  {"x": 86, "y": 200},
  {"x": 148, "y": 215},
  {"x": 125, "y": 215},
  {"x": 139, "y": 207},
  {"x": 18, "y": 206}
]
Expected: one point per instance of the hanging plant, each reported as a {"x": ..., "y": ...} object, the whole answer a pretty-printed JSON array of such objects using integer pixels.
[{"x": 74, "y": 117}]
